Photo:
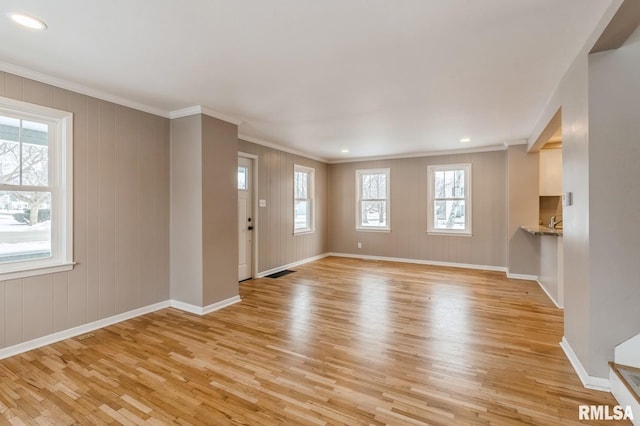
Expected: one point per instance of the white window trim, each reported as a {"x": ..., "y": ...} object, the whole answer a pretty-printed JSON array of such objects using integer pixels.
[
  {"x": 358, "y": 208},
  {"x": 467, "y": 232},
  {"x": 61, "y": 185},
  {"x": 311, "y": 194}
]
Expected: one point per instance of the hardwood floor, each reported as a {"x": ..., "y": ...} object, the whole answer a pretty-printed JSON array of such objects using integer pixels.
[{"x": 341, "y": 341}]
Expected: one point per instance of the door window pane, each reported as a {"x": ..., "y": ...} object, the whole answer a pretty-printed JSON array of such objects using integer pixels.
[{"x": 243, "y": 174}]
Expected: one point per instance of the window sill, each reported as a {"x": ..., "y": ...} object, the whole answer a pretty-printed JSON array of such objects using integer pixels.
[
  {"x": 304, "y": 232},
  {"x": 450, "y": 234},
  {"x": 34, "y": 271},
  {"x": 373, "y": 230}
]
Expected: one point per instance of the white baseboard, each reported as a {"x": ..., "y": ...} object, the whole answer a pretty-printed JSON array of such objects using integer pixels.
[
  {"x": 291, "y": 265},
  {"x": 92, "y": 326},
  {"x": 589, "y": 382},
  {"x": 422, "y": 262},
  {"x": 522, "y": 277},
  {"x": 549, "y": 295},
  {"x": 198, "y": 310},
  {"x": 79, "y": 330}
]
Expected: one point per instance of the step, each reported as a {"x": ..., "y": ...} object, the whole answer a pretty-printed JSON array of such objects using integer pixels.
[
  {"x": 625, "y": 387},
  {"x": 630, "y": 376}
]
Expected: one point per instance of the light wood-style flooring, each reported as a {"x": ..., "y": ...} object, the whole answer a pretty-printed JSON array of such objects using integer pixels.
[{"x": 340, "y": 341}]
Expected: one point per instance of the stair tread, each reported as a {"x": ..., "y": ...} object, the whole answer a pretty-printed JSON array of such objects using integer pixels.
[{"x": 630, "y": 376}]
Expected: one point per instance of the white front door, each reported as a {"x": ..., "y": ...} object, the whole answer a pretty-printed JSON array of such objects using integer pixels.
[{"x": 245, "y": 220}]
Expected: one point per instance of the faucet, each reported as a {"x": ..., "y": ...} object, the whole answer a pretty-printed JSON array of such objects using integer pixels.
[{"x": 553, "y": 223}]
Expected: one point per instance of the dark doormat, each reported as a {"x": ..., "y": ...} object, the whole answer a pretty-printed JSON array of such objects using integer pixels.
[{"x": 280, "y": 274}]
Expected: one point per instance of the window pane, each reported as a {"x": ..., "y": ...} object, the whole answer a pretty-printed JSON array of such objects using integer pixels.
[
  {"x": 459, "y": 188},
  {"x": 302, "y": 217},
  {"x": 439, "y": 183},
  {"x": 24, "y": 152},
  {"x": 301, "y": 184},
  {"x": 25, "y": 225},
  {"x": 9, "y": 161},
  {"x": 9, "y": 129},
  {"x": 242, "y": 178},
  {"x": 35, "y": 153},
  {"x": 374, "y": 186},
  {"x": 449, "y": 214},
  {"x": 374, "y": 213}
]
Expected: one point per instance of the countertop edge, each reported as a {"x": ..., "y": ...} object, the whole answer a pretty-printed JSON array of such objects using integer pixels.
[{"x": 542, "y": 230}]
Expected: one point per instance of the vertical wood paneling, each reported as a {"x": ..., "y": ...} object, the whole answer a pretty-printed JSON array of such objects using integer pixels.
[
  {"x": 92, "y": 211},
  {"x": 103, "y": 187},
  {"x": 38, "y": 314},
  {"x": 38, "y": 93},
  {"x": 106, "y": 208},
  {"x": 78, "y": 277},
  {"x": 126, "y": 207},
  {"x": 162, "y": 209},
  {"x": 13, "y": 87},
  {"x": 408, "y": 237},
  {"x": 3, "y": 77},
  {"x": 60, "y": 301},
  {"x": 277, "y": 244},
  {"x": 14, "y": 310},
  {"x": 3, "y": 290},
  {"x": 146, "y": 236}
]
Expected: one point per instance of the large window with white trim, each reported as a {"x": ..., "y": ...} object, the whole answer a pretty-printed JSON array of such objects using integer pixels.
[
  {"x": 303, "y": 203},
  {"x": 449, "y": 199},
  {"x": 372, "y": 200},
  {"x": 35, "y": 189}
]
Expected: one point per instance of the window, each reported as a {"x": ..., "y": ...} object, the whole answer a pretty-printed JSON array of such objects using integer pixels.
[
  {"x": 303, "y": 205},
  {"x": 372, "y": 203},
  {"x": 35, "y": 189},
  {"x": 243, "y": 172},
  {"x": 449, "y": 193}
]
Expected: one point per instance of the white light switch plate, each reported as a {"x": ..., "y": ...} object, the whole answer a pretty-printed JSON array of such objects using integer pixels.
[{"x": 262, "y": 203}]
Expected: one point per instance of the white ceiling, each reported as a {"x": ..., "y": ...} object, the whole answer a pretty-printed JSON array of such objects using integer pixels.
[{"x": 379, "y": 77}]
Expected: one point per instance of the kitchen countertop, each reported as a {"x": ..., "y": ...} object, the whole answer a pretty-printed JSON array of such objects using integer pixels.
[{"x": 542, "y": 230}]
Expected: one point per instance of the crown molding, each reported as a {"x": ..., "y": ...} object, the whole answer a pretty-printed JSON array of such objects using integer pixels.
[
  {"x": 199, "y": 109},
  {"x": 423, "y": 154},
  {"x": 281, "y": 148},
  {"x": 79, "y": 88}
]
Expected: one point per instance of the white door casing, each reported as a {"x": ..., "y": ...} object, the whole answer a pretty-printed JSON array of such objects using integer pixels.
[{"x": 245, "y": 219}]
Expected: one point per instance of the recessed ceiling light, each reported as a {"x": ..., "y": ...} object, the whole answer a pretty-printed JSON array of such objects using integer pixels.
[
  {"x": 464, "y": 140},
  {"x": 345, "y": 150},
  {"x": 28, "y": 21}
]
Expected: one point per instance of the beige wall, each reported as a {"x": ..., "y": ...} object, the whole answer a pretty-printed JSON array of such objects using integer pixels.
[
  {"x": 277, "y": 244},
  {"x": 614, "y": 199},
  {"x": 219, "y": 210},
  {"x": 204, "y": 200},
  {"x": 522, "y": 181},
  {"x": 408, "y": 237},
  {"x": 186, "y": 210},
  {"x": 121, "y": 219}
]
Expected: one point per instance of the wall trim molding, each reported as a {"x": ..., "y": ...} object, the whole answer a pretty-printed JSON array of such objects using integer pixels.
[
  {"x": 490, "y": 148},
  {"x": 79, "y": 330},
  {"x": 198, "y": 310},
  {"x": 279, "y": 147},
  {"x": 549, "y": 295},
  {"x": 79, "y": 88},
  {"x": 105, "y": 322},
  {"x": 589, "y": 382},
  {"x": 199, "y": 109},
  {"x": 522, "y": 277},
  {"x": 422, "y": 262},
  {"x": 292, "y": 265}
]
